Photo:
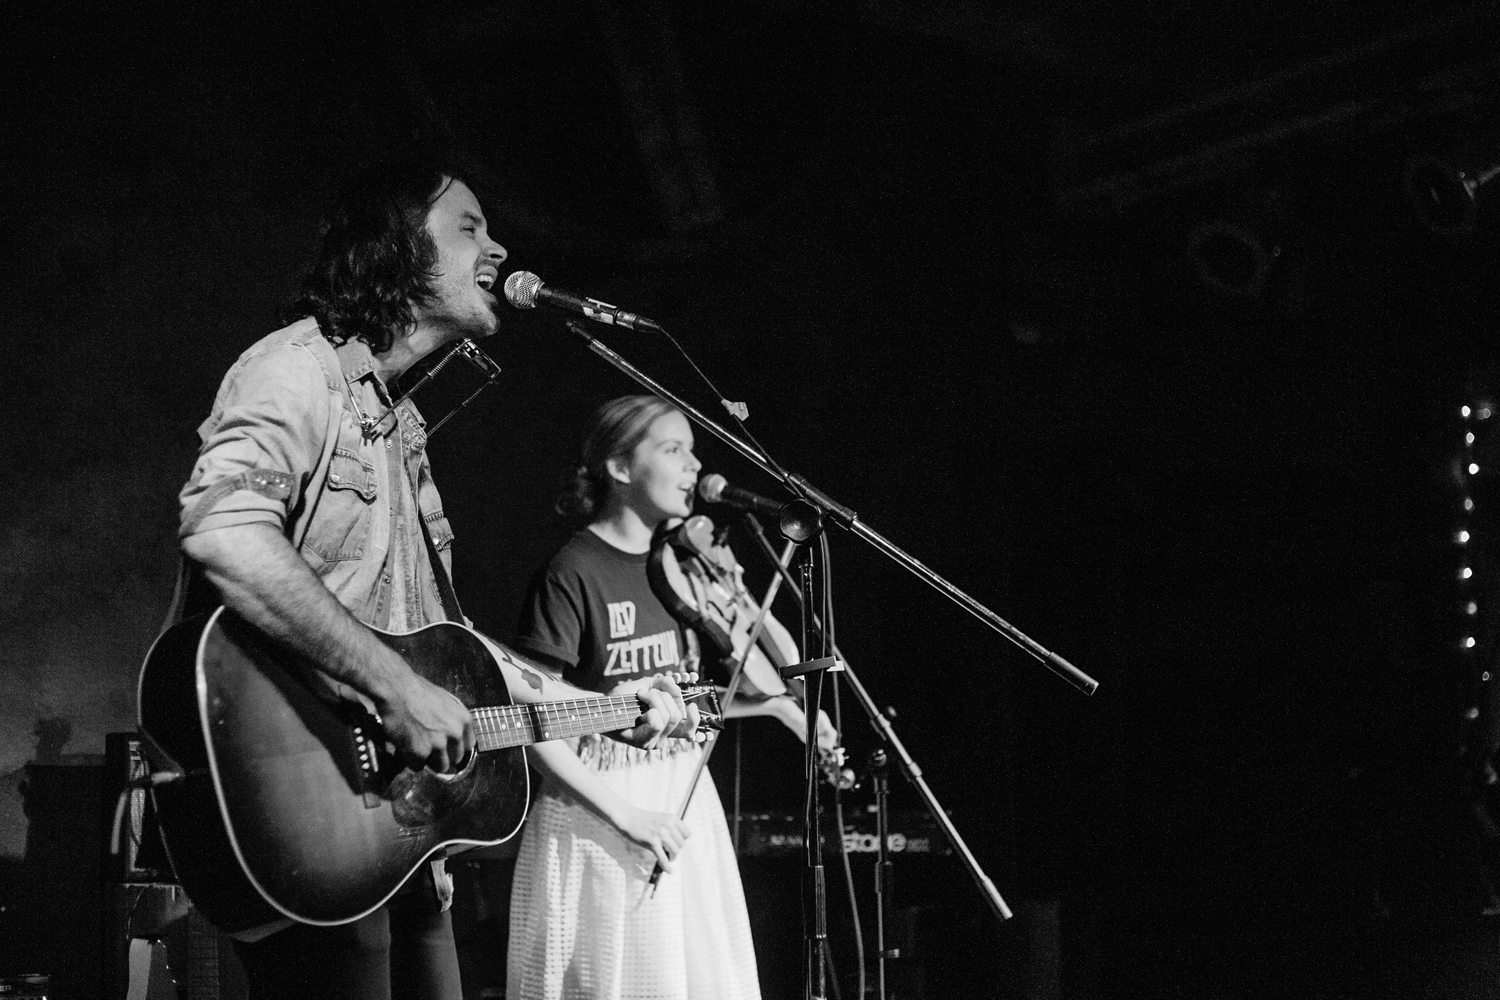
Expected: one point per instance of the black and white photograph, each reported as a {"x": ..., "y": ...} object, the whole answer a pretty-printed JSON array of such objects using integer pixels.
[{"x": 755, "y": 500}]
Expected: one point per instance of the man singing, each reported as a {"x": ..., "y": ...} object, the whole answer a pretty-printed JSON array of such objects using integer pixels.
[{"x": 312, "y": 513}]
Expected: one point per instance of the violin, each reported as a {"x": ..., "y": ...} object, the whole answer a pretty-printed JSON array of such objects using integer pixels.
[
  {"x": 702, "y": 586},
  {"x": 696, "y": 576}
]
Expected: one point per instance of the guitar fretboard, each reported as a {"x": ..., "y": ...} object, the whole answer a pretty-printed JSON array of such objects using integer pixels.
[{"x": 520, "y": 725}]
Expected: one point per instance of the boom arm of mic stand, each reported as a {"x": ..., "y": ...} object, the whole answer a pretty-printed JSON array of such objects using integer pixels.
[
  {"x": 847, "y": 518},
  {"x": 883, "y": 728}
]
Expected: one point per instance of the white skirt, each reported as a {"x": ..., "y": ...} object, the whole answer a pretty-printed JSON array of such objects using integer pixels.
[{"x": 583, "y": 922}]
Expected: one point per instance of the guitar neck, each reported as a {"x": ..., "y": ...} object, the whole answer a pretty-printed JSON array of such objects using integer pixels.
[{"x": 522, "y": 725}]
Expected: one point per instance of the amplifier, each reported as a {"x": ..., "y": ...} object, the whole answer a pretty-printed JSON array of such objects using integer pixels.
[
  {"x": 775, "y": 835},
  {"x": 158, "y": 944},
  {"x": 139, "y": 856}
]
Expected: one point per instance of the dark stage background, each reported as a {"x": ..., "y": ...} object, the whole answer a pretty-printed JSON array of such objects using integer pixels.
[{"x": 1118, "y": 316}]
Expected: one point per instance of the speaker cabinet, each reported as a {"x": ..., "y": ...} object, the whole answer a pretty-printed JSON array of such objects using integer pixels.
[{"x": 155, "y": 937}]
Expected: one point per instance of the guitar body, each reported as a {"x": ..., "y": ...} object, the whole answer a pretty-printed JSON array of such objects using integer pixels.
[{"x": 290, "y": 805}]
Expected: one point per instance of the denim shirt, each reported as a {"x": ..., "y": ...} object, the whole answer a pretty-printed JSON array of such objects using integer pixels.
[{"x": 284, "y": 446}]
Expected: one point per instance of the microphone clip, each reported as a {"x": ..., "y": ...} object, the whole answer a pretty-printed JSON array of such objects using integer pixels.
[{"x": 800, "y": 521}]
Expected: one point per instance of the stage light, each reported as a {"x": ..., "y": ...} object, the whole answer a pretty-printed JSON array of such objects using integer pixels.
[
  {"x": 1471, "y": 608},
  {"x": 1473, "y": 468},
  {"x": 1449, "y": 195},
  {"x": 1468, "y": 503},
  {"x": 1231, "y": 258},
  {"x": 1465, "y": 573},
  {"x": 1469, "y": 642},
  {"x": 1465, "y": 411},
  {"x": 1469, "y": 438},
  {"x": 1461, "y": 538}
]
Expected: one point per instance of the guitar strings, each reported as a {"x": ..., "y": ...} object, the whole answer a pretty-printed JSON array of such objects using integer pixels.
[{"x": 511, "y": 725}]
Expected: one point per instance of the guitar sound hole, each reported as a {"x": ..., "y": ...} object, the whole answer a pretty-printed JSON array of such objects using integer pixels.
[{"x": 461, "y": 769}]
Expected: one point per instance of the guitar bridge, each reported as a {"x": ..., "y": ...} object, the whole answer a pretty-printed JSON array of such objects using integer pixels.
[{"x": 369, "y": 767}]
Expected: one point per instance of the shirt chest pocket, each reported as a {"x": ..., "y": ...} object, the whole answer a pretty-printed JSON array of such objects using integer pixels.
[{"x": 340, "y": 528}]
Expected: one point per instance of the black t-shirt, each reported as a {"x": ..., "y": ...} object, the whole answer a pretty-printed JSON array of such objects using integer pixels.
[{"x": 591, "y": 612}]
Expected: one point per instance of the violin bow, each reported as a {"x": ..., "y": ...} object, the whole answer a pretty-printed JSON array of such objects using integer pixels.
[{"x": 729, "y": 691}]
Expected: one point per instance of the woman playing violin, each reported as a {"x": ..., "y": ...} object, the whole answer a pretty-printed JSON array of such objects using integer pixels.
[{"x": 584, "y": 922}]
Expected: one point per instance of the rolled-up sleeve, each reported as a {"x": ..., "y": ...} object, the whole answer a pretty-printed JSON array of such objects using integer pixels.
[{"x": 261, "y": 444}]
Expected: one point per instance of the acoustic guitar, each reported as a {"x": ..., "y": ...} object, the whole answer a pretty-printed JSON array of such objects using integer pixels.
[{"x": 286, "y": 802}]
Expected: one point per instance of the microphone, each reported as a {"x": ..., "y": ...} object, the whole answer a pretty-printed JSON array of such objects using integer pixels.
[
  {"x": 525, "y": 290},
  {"x": 799, "y": 520},
  {"x": 716, "y": 489}
]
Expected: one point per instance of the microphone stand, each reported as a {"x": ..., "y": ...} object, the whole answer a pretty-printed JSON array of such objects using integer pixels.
[
  {"x": 885, "y": 872},
  {"x": 814, "y": 885},
  {"x": 849, "y": 520},
  {"x": 909, "y": 768}
]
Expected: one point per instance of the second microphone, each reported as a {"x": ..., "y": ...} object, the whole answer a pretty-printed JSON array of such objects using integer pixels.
[{"x": 716, "y": 489}]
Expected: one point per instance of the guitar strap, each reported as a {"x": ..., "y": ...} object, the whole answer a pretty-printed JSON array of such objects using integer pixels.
[
  {"x": 442, "y": 884},
  {"x": 440, "y": 574},
  {"x": 451, "y": 610},
  {"x": 442, "y": 881}
]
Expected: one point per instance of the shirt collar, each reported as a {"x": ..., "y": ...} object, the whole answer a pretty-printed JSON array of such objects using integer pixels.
[
  {"x": 355, "y": 359},
  {"x": 358, "y": 364}
]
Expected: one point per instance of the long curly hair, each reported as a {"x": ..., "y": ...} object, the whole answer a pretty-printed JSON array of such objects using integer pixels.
[
  {"x": 375, "y": 259},
  {"x": 613, "y": 431}
]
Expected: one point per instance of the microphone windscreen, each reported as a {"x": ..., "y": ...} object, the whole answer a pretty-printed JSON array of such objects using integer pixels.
[
  {"x": 711, "y": 487},
  {"x": 521, "y": 288}
]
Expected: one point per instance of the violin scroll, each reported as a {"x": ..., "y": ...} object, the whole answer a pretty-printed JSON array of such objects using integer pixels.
[{"x": 836, "y": 770}]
